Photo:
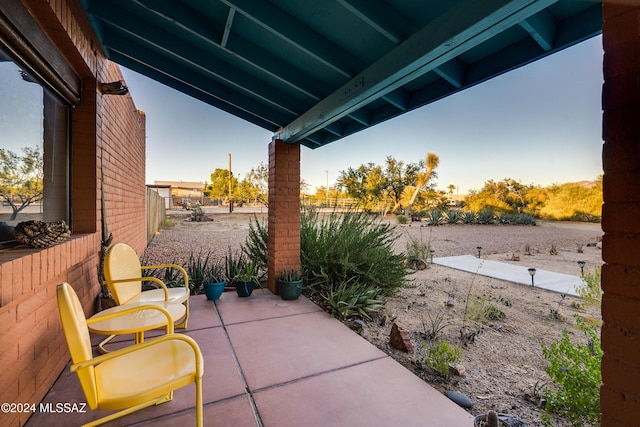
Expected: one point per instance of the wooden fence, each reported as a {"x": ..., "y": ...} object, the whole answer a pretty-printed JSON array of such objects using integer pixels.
[{"x": 156, "y": 213}]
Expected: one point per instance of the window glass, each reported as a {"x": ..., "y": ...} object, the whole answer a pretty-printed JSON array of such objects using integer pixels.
[{"x": 33, "y": 151}]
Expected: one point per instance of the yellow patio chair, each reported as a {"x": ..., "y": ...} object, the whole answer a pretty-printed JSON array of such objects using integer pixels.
[
  {"x": 134, "y": 377},
  {"x": 123, "y": 274}
]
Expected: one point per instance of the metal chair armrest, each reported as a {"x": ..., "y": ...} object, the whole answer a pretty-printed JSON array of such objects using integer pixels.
[
  {"x": 176, "y": 266},
  {"x": 144, "y": 279}
]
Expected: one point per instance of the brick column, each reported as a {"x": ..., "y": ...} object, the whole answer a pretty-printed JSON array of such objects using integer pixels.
[
  {"x": 620, "y": 392},
  {"x": 283, "y": 244}
]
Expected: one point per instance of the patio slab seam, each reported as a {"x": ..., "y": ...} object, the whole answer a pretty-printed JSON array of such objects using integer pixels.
[
  {"x": 243, "y": 378},
  {"x": 317, "y": 374}
]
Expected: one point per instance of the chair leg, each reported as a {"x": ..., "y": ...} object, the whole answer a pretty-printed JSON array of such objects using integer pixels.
[
  {"x": 199, "y": 415},
  {"x": 183, "y": 324}
]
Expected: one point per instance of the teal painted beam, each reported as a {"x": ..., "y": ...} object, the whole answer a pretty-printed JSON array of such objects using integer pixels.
[
  {"x": 462, "y": 27},
  {"x": 542, "y": 27},
  {"x": 187, "y": 24},
  {"x": 297, "y": 34},
  {"x": 453, "y": 72},
  {"x": 227, "y": 27},
  {"x": 382, "y": 17}
]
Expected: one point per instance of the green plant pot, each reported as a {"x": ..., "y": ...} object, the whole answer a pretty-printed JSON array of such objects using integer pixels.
[
  {"x": 214, "y": 290},
  {"x": 289, "y": 290},
  {"x": 244, "y": 289}
]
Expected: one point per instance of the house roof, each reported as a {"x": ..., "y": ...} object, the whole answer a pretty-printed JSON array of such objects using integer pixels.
[
  {"x": 317, "y": 71},
  {"x": 180, "y": 184}
]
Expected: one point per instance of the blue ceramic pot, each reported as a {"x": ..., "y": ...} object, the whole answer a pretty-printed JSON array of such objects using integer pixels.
[{"x": 213, "y": 290}]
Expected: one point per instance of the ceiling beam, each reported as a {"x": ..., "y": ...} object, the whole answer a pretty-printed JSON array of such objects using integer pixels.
[
  {"x": 542, "y": 27},
  {"x": 453, "y": 72},
  {"x": 460, "y": 28},
  {"x": 187, "y": 26},
  {"x": 175, "y": 50},
  {"x": 382, "y": 17},
  {"x": 297, "y": 34},
  {"x": 227, "y": 27}
]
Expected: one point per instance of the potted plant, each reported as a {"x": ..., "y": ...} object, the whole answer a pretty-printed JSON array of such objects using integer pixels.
[
  {"x": 290, "y": 283},
  {"x": 214, "y": 280},
  {"x": 241, "y": 273}
]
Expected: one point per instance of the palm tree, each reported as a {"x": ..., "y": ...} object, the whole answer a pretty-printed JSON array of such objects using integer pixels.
[{"x": 422, "y": 178}]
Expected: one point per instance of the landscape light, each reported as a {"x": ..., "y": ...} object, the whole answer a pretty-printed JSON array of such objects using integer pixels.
[
  {"x": 581, "y": 264},
  {"x": 532, "y": 272},
  {"x": 431, "y": 251},
  {"x": 479, "y": 248}
]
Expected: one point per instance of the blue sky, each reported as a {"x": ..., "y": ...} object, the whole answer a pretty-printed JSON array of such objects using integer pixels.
[{"x": 539, "y": 124}]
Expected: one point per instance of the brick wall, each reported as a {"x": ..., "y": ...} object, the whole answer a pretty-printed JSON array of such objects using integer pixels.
[
  {"x": 107, "y": 131},
  {"x": 620, "y": 392},
  {"x": 283, "y": 244}
]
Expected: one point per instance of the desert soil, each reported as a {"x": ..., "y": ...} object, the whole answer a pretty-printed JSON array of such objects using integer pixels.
[{"x": 504, "y": 366}]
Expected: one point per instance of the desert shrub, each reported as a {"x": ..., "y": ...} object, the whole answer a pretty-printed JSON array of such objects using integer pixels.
[
  {"x": 402, "y": 219},
  {"x": 441, "y": 356},
  {"x": 435, "y": 216},
  {"x": 347, "y": 300},
  {"x": 418, "y": 249},
  {"x": 350, "y": 247},
  {"x": 505, "y": 218},
  {"x": 432, "y": 329},
  {"x": 481, "y": 309},
  {"x": 486, "y": 216},
  {"x": 524, "y": 219},
  {"x": 453, "y": 216},
  {"x": 196, "y": 269},
  {"x": 591, "y": 291},
  {"x": 575, "y": 369},
  {"x": 255, "y": 245},
  {"x": 468, "y": 217}
]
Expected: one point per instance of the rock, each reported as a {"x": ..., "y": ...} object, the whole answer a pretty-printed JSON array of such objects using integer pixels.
[
  {"x": 461, "y": 399},
  {"x": 399, "y": 338},
  {"x": 459, "y": 370}
]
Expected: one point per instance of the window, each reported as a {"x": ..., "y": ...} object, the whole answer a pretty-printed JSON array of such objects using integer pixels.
[{"x": 34, "y": 150}]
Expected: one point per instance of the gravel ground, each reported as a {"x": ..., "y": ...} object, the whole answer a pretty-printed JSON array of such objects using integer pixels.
[{"x": 504, "y": 367}]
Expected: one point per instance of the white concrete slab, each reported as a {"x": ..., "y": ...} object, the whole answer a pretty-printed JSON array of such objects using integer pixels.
[{"x": 556, "y": 282}]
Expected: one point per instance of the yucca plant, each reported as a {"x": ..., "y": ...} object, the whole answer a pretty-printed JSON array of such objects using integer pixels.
[{"x": 352, "y": 299}]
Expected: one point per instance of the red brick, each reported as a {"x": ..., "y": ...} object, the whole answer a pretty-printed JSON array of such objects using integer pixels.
[
  {"x": 622, "y": 408},
  {"x": 621, "y": 280}
]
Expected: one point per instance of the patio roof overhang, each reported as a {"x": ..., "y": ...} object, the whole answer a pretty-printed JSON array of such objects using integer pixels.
[{"x": 317, "y": 71}]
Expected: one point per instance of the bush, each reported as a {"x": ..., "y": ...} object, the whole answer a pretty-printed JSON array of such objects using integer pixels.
[
  {"x": 453, "y": 216},
  {"x": 402, "y": 219},
  {"x": 575, "y": 369},
  {"x": 348, "y": 300},
  {"x": 591, "y": 291},
  {"x": 469, "y": 217},
  {"x": 486, "y": 216},
  {"x": 435, "y": 216},
  {"x": 255, "y": 245},
  {"x": 350, "y": 247},
  {"x": 442, "y": 356}
]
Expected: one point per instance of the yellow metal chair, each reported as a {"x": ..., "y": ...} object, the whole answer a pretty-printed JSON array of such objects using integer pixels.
[
  {"x": 123, "y": 274},
  {"x": 134, "y": 377}
]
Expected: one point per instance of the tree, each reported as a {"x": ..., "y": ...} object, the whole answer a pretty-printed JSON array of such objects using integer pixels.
[
  {"x": 422, "y": 178},
  {"x": 256, "y": 184},
  {"x": 219, "y": 187},
  {"x": 21, "y": 178}
]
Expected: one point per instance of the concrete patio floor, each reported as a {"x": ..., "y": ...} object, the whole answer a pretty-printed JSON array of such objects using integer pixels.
[{"x": 270, "y": 362}]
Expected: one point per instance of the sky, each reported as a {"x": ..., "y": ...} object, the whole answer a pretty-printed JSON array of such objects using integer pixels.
[{"x": 539, "y": 124}]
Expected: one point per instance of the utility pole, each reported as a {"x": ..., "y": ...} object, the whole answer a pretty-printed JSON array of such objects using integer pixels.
[{"x": 230, "y": 199}]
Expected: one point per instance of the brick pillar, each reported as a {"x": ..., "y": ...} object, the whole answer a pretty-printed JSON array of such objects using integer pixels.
[
  {"x": 283, "y": 244},
  {"x": 620, "y": 391}
]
